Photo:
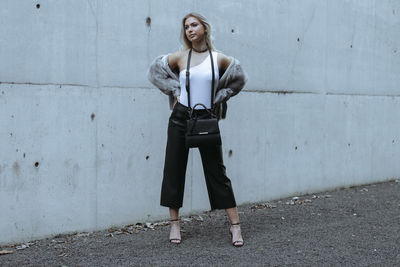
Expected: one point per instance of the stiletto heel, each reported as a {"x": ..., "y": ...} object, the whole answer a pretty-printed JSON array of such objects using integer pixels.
[
  {"x": 237, "y": 243},
  {"x": 177, "y": 240}
]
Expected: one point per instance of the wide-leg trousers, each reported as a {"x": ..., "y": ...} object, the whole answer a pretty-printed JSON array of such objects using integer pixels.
[{"x": 219, "y": 186}]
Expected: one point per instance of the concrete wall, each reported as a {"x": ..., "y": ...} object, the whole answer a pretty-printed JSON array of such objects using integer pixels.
[{"x": 83, "y": 133}]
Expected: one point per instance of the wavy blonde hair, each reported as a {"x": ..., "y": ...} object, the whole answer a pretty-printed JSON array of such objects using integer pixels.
[{"x": 207, "y": 26}]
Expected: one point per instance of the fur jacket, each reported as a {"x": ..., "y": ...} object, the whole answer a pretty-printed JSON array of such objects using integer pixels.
[{"x": 230, "y": 84}]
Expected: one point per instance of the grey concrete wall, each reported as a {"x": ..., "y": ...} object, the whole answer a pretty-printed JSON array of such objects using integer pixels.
[{"x": 83, "y": 133}]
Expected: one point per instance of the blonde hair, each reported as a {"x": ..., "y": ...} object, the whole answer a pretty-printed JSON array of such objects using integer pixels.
[{"x": 207, "y": 27}]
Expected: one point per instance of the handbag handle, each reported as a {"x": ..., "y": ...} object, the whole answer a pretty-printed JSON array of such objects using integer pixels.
[
  {"x": 200, "y": 104},
  {"x": 188, "y": 79}
]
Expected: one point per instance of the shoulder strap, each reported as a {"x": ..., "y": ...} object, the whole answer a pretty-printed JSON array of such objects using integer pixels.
[
  {"x": 213, "y": 80},
  {"x": 188, "y": 76}
]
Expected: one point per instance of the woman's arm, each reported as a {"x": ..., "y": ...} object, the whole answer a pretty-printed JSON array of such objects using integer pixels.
[
  {"x": 161, "y": 75},
  {"x": 232, "y": 81},
  {"x": 173, "y": 61},
  {"x": 223, "y": 63}
]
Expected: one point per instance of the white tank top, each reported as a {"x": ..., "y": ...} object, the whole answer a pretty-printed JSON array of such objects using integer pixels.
[{"x": 200, "y": 83}]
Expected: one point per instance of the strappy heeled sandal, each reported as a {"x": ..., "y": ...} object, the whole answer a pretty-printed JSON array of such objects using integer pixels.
[
  {"x": 237, "y": 243},
  {"x": 174, "y": 239}
]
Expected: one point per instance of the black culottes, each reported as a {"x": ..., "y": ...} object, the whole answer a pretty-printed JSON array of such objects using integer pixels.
[{"x": 219, "y": 186}]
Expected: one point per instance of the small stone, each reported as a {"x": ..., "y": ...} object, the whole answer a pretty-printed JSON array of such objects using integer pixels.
[
  {"x": 291, "y": 202},
  {"x": 23, "y": 246},
  {"x": 58, "y": 241},
  {"x": 83, "y": 234}
]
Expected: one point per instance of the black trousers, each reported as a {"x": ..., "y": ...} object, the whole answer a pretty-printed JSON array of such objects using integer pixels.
[{"x": 219, "y": 186}]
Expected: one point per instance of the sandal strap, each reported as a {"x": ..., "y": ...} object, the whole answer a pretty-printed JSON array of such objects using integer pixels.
[
  {"x": 238, "y": 243},
  {"x": 174, "y": 220},
  {"x": 238, "y": 223}
]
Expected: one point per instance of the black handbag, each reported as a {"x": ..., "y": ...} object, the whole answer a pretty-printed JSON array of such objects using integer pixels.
[{"x": 202, "y": 127}]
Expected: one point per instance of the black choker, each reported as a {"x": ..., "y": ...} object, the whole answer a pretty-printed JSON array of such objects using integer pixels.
[{"x": 200, "y": 51}]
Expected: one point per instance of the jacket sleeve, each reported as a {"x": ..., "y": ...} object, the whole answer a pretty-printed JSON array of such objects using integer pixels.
[
  {"x": 163, "y": 77},
  {"x": 231, "y": 83}
]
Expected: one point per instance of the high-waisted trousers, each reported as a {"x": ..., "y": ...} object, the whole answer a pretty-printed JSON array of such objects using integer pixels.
[{"x": 219, "y": 186}]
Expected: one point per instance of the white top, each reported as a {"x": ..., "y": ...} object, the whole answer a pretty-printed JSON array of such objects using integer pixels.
[{"x": 200, "y": 83}]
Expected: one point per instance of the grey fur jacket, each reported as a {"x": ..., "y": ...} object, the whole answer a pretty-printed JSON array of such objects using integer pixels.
[{"x": 230, "y": 84}]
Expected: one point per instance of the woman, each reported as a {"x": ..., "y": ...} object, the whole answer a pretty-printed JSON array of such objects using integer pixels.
[{"x": 167, "y": 72}]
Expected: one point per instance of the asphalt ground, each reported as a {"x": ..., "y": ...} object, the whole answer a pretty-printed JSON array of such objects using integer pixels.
[{"x": 357, "y": 226}]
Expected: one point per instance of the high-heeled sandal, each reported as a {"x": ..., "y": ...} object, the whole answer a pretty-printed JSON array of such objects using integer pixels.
[
  {"x": 174, "y": 239},
  {"x": 237, "y": 243}
]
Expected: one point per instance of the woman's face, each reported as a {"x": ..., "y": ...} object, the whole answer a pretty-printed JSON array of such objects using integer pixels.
[{"x": 194, "y": 30}]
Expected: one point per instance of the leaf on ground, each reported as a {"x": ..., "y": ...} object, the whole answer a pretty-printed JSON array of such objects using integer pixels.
[{"x": 4, "y": 252}]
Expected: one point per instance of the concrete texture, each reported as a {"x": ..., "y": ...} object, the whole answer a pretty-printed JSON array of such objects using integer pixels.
[
  {"x": 351, "y": 227},
  {"x": 83, "y": 133}
]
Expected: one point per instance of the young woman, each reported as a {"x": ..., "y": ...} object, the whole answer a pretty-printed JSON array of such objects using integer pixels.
[{"x": 168, "y": 73}]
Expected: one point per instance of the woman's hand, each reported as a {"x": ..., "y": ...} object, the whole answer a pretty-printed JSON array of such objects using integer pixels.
[{"x": 177, "y": 100}]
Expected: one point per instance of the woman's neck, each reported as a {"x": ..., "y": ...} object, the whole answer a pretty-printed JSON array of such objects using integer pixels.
[{"x": 200, "y": 46}]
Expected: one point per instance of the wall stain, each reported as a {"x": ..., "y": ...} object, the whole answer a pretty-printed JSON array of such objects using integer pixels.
[
  {"x": 130, "y": 162},
  {"x": 148, "y": 22},
  {"x": 71, "y": 174},
  {"x": 16, "y": 168}
]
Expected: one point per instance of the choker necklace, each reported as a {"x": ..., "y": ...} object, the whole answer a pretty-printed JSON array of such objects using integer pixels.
[{"x": 200, "y": 51}]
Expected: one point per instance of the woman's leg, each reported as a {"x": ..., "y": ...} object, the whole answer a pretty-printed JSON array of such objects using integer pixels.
[
  {"x": 233, "y": 216},
  {"x": 175, "y": 233},
  {"x": 219, "y": 188},
  {"x": 173, "y": 183},
  {"x": 176, "y": 156}
]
